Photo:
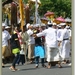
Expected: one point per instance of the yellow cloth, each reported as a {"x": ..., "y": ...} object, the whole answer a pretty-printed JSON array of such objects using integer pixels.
[{"x": 16, "y": 50}]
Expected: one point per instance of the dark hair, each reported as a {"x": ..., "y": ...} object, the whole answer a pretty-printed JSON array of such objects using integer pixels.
[
  {"x": 50, "y": 25},
  {"x": 24, "y": 27},
  {"x": 64, "y": 25}
]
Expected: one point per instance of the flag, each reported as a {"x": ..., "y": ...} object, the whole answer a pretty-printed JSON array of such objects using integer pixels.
[{"x": 21, "y": 13}]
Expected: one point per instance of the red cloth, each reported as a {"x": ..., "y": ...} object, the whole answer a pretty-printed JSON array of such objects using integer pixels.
[{"x": 19, "y": 37}]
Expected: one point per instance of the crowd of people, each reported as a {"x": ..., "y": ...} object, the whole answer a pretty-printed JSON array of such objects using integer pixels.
[{"x": 49, "y": 42}]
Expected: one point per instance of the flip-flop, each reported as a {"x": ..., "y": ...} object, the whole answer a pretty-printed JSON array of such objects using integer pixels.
[
  {"x": 12, "y": 69},
  {"x": 17, "y": 69}
]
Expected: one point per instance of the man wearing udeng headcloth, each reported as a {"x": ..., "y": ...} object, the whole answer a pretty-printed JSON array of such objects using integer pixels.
[
  {"x": 51, "y": 44},
  {"x": 64, "y": 39}
]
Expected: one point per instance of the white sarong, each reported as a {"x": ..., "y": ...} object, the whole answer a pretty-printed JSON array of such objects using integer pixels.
[{"x": 53, "y": 54}]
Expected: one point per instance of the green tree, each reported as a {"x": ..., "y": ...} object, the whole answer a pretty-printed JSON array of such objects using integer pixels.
[{"x": 59, "y": 7}]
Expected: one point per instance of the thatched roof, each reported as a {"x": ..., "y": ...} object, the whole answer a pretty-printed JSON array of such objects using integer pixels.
[{"x": 9, "y": 1}]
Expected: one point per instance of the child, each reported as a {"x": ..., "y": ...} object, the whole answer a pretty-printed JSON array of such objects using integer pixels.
[
  {"x": 39, "y": 51},
  {"x": 21, "y": 57}
]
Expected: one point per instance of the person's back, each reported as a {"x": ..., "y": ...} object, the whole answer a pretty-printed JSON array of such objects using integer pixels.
[
  {"x": 50, "y": 37},
  {"x": 51, "y": 45},
  {"x": 14, "y": 41},
  {"x": 65, "y": 34},
  {"x": 15, "y": 46}
]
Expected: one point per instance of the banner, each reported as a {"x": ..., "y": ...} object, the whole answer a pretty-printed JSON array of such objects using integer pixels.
[{"x": 21, "y": 13}]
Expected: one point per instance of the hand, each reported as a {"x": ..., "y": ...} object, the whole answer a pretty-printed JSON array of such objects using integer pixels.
[
  {"x": 59, "y": 44},
  {"x": 24, "y": 42},
  {"x": 34, "y": 35}
]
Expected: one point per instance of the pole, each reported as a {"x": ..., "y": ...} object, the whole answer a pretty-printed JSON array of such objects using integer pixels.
[
  {"x": 36, "y": 12},
  {"x": 21, "y": 13}
]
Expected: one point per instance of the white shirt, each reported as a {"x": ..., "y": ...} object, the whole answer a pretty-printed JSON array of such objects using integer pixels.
[
  {"x": 59, "y": 32},
  {"x": 31, "y": 38},
  {"x": 22, "y": 52},
  {"x": 69, "y": 32},
  {"x": 5, "y": 37},
  {"x": 50, "y": 37},
  {"x": 64, "y": 35}
]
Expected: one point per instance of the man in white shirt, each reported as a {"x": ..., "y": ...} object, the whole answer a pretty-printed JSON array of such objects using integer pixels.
[
  {"x": 64, "y": 39},
  {"x": 59, "y": 32},
  {"x": 31, "y": 43},
  {"x": 70, "y": 38},
  {"x": 5, "y": 43},
  {"x": 51, "y": 44}
]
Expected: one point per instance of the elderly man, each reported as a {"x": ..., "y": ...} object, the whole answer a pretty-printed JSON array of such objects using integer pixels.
[
  {"x": 31, "y": 43},
  {"x": 5, "y": 43},
  {"x": 51, "y": 44}
]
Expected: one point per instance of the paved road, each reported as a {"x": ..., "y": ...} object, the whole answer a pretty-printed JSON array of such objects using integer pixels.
[{"x": 29, "y": 69}]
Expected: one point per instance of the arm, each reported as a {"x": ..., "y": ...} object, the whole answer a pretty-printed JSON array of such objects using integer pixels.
[{"x": 41, "y": 34}]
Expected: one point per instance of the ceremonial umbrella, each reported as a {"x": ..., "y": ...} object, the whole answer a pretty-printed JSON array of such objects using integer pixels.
[
  {"x": 48, "y": 13},
  {"x": 59, "y": 20},
  {"x": 44, "y": 20},
  {"x": 67, "y": 19}
]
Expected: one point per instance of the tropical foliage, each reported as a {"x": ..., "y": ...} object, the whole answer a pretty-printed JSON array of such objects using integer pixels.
[{"x": 59, "y": 7}]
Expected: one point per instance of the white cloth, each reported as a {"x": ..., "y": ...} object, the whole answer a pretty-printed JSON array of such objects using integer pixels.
[
  {"x": 3, "y": 24},
  {"x": 50, "y": 36},
  {"x": 59, "y": 32},
  {"x": 28, "y": 25},
  {"x": 22, "y": 52},
  {"x": 5, "y": 38},
  {"x": 64, "y": 35},
  {"x": 52, "y": 54},
  {"x": 31, "y": 38},
  {"x": 65, "y": 50},
  {"x": 30, "y": 32},
  {"x": 69, "y": 32},
  {"x": 51, "y": 44}
]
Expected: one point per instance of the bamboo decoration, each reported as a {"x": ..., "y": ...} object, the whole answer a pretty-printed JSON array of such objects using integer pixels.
[
  {"x": 13, "y": 14},
  {"x": 21, "y": 13}
]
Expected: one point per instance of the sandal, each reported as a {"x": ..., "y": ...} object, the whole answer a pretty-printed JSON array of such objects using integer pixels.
[{"x": 12, "y": 69}]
